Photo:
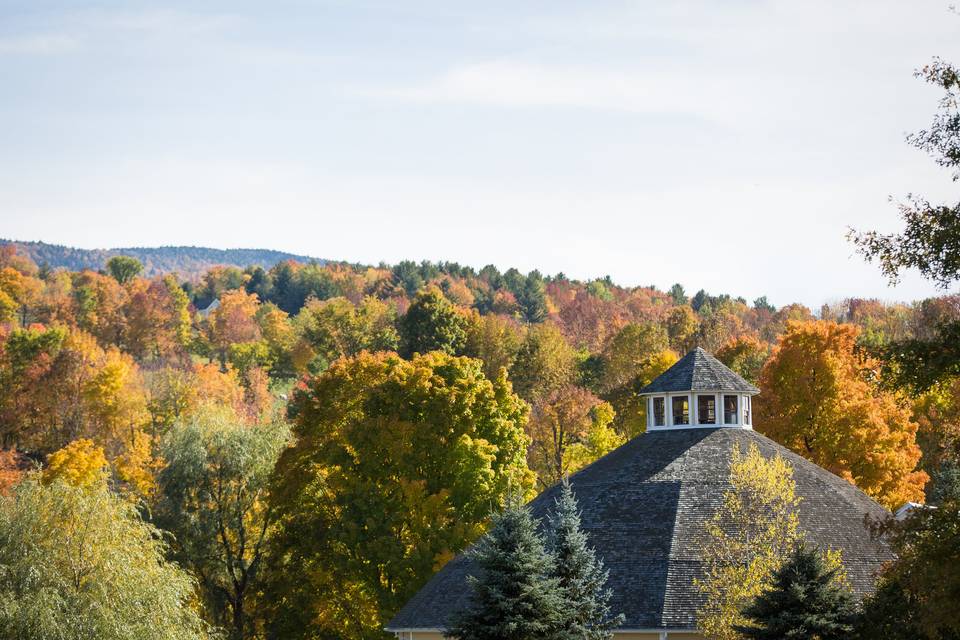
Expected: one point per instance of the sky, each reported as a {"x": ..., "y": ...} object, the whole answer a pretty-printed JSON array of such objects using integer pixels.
[{"x": 727, "y": 145}]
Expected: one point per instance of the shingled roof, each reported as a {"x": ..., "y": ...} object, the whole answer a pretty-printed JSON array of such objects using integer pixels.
[
  {"x": 698, "y": 371},
  {"x": 644, "y": 508}
]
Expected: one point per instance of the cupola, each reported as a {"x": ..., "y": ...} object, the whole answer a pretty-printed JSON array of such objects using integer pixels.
[{"x": 699, "y": 392}]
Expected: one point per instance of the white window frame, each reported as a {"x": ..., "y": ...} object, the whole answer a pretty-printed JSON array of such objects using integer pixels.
[
  {"x": 690, "y": 415},
  {"x": 653, "y": 414},
  {"x": 716, "y": 417},
  {"x": 736, "y": 411}
]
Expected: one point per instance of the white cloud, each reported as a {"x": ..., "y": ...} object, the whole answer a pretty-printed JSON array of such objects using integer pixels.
[
  {"x": 39, "y": 44},
  {"x": 161, "y": 21},
  {"x": 519, "y": 84}
]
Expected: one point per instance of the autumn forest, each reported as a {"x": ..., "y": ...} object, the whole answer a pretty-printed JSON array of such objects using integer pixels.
[{"x": 343, "y": 430}]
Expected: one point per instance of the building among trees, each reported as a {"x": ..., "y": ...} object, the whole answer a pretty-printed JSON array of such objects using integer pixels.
[{"x": 646, "y": 507}]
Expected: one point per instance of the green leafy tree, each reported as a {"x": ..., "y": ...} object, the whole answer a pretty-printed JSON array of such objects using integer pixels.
[
  {"x": 892, "y": 613},
  {"x": 213, "y": 498},
  {"x": 745, "y": 355},
  {"x": 628, "y": 353},
  {"x": 919, "y": 591},
  {"x": 432, "y": 323},
  {"x": 929, "y": 242},
  {"x": 336, "y": 327},
  {"x": 581, "y": 577},
  {"x": 806, "y": 599},
  {"x": 495, "y": 340},
  {"x": 397, "y": 466},
  {"x": 682, "y": 325},
  {"x": 124, "y": 268},
  {"x": 79, "y": 563},
  {"x": 630, "y": 359},
  {"x": 515, "y": 593},
  {"x": 545, "y": 363}
]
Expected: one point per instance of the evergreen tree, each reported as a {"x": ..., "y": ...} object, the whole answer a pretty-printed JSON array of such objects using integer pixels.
[
  {"x": 582, "y": 578},
  {"x": 805, "y": 601},
  {"x": 515, "y": 596}
]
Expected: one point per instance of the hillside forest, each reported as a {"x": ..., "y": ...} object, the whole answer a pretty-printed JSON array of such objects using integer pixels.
[{"x": 303, "y": 446}]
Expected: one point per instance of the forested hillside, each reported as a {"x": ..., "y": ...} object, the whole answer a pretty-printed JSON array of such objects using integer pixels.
[
  {"x": 325, "y": 436},
  {"x": 186, "y": 261}
]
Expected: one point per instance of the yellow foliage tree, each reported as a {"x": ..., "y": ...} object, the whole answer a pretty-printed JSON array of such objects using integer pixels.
[
  {"x": 11, "y": 290},
  {"x": 137, "y": 467},
  {"x": 631, "y": 411},
  {"x": 747, "y": 539},
  {"x": 601, "y": 439},
  {"x": 115, "y": 398},
  {"x": 817, "y": 400},
  {"x": 81, "y": 464}
]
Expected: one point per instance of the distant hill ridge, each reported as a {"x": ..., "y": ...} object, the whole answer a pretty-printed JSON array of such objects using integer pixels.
[{"x": 186, "y": 261}]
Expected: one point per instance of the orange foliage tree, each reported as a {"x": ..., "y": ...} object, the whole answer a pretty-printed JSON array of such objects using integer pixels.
[
  {"x": 233, "y": 322},
  {"x": 818, "y": 400}
]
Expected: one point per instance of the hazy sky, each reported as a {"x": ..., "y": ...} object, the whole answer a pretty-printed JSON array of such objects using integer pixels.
[{"x": 725, "y": 145}]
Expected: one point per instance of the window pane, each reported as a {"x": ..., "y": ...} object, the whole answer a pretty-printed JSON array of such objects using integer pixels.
[
  {"x": 681, "y": 410},
  {"x": 659, "y": 412},
  {"x": 730, "y": 409},
  {"x": 706, "y": 410},
  {"x": 746, "y": 409}
]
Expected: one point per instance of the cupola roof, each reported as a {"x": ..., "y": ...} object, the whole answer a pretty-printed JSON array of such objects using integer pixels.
[{"x": 698, "y": 371}]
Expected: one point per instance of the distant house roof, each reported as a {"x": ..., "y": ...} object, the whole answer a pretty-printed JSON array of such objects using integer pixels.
[
  {"x": 645, "y": 507},
  {"x": 698, "y": 371},
  {"x": 210, "y": 308},
  {"x": 908, "y": 508}
]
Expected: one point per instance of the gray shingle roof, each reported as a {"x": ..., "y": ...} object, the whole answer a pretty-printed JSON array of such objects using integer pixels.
[
  {"x": 698, "y": 371},
  {"x": 645, "y": 506}
]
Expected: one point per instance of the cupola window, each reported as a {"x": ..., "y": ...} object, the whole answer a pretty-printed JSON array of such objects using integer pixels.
[
  {"x": 659, "y": 412},
  {"x": 746, "y": 410},
  {"x": 730, "y": 409},
  {"x": 707, "y": 409},
  {"x": 681, "y": 409}
]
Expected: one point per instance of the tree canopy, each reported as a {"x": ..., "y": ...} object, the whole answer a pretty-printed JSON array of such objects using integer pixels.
[
  {"x": 397, "y": 465},
  {"x": 817, "y": 400},
  {"x": 79, "y": 563}
]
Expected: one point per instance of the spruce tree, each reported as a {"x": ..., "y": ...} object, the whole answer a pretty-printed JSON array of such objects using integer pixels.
[
  {"x": 805, "y": 601},
  {"x": 581, "y": 577},
  {"x": 514, "y": 594}
]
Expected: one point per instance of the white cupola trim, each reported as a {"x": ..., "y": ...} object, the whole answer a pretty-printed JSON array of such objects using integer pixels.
[{"x": 698, "y": 392}]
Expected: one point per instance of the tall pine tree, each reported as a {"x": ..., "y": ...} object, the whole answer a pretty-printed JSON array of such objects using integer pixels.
[
  {"x": 581, "y": 577},
  {"x": 515, "y": 595},
  {"x": 805, "y": 601}
]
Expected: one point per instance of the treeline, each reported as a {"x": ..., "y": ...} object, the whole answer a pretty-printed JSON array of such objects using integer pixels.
[
  {"x": 187, "y": 261},
  {"x": 320, "y": 438}
]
